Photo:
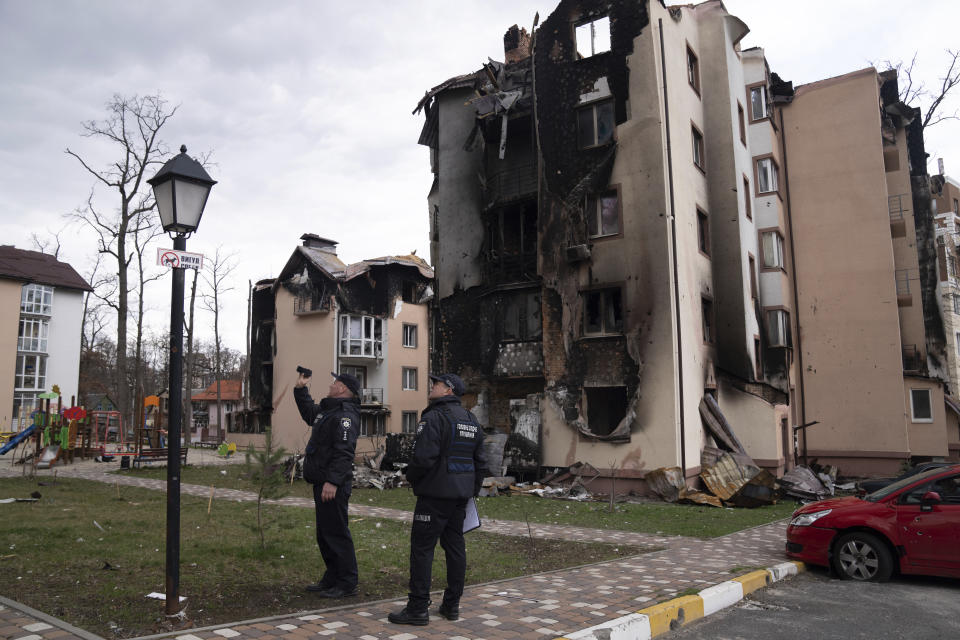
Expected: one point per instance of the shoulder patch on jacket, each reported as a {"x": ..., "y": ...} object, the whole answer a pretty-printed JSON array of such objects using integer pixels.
[{"x": 345, "y": 424}]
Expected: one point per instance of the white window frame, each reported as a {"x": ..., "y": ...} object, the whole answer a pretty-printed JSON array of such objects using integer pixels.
[
  {"x": 593, "y": 209},
  {"x": 409, "y": 420},
  {"x": 913, "y": 411},
  {"x": 377, "y": 420},
  {"x": 956, "y": 304},
  {"x": 958, "y": 343},
  {"x": 596, "y": 32},
  {"x": 699, "y": 155},
  {"x": 36, "y": 299},
  {"x": 594, "y": 109},
  {"x": 410, "y": 335},
  {"x": 367, "y": 342},
  {"x": 763, "y": 103},
  {"x": 772, "y": 245},
  {"x": 33, "y": 334},
  {"x": 408, "y": 378},
  {"x": 778, "y": 327},
  {"x": 767, "y": 180},
  {"x": 38, "y": 379}
]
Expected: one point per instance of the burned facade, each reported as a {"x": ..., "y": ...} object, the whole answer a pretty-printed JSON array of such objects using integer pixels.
[
  {"x": 613, "y": 241},
  {"x": 368, "y": 319}
]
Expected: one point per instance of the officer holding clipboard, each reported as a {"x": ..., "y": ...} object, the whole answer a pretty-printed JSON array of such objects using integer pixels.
[{"x": 446, "y": 471}]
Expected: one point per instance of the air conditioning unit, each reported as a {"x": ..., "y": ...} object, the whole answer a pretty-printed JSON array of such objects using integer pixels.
[{"x": 578, "y": 253}]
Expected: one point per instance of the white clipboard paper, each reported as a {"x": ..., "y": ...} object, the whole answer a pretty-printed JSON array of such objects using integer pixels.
[{"x": 471, "y": 519}]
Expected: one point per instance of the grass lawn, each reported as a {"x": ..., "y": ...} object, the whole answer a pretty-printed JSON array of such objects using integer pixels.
[
  {"x": 88, "y": 556},
  {"x": 657, "y": 518}
]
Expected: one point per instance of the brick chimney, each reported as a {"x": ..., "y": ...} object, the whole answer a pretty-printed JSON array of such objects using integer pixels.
[{"x": 516, "y": 44}]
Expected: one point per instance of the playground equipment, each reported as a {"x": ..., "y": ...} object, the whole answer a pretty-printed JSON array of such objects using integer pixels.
[{"x": 17, "y": 438}]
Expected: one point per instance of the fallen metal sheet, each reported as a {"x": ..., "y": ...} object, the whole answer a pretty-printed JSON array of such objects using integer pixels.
[
  {"x": 759, "y": 491},
  {"x": 699, "y": 497},
  {"x": 727, "y": 476},
  {"x": 714, "y": 427},
  {"x": 666, "y": 482},
  {"x": 801, "y": 482},
  {"x": 724, "y": 423}
]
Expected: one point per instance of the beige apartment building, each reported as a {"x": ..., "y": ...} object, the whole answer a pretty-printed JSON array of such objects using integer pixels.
[
  {"x": 947, "y": 203},
  {"x": 659, "y": 221},
  {"x": 368, "y": 319}
]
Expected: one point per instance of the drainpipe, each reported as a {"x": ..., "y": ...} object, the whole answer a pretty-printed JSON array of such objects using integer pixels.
[
  {"x": 673, "y": 266},
  {"x": 796, "y": 296}
]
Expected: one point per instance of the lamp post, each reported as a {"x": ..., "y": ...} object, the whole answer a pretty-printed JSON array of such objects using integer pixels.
[{"x": 180, "y": 188}]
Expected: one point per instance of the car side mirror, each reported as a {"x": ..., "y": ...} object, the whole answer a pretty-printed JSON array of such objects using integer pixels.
[{"x": 929, "y": 499}]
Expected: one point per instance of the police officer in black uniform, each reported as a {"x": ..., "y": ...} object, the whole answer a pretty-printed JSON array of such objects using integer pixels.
[
  {"x": 447, "y": 468},
  {"x": 328, "y": 465}
]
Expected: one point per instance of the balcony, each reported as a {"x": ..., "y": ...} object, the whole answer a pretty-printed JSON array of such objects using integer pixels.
[
  {"x": 896, "y": 208},
  {"x": 371, "y": 396},
  {"x": 315, "y": 302},
  {"x": 912, "y": 359},
  {"x": 512, "y": 184}
]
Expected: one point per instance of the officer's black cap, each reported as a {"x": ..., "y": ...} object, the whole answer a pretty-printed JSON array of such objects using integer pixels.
[
  {"x": 452, "y": 380},
  {"x": 349, "y": 381}
]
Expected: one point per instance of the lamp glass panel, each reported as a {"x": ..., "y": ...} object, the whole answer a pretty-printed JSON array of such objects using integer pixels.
[
  {"x": 163, "y": 193},
  {"x": 191, "y": 198}
]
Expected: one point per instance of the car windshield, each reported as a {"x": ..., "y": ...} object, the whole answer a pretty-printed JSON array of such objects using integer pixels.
[{"x": 892, "y": 488}]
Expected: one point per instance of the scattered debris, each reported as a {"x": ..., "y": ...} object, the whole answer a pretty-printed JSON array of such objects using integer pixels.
[
  {"x": 667, "y": 482},
  {"x": 365, "y": 477},
  {"x": 803, "y": 483}
]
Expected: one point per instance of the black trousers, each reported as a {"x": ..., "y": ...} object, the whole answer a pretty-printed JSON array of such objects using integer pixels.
[
  {"x": 436, "y": 519},
  {"x": 334, "y": 539}
]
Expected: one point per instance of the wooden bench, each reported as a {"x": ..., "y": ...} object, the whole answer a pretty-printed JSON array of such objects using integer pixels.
[{"x": 157, "y": 455}]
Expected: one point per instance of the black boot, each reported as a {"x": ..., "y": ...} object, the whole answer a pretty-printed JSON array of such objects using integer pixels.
[
  {"x": 450, "y": 611},
  {"x": 405, "y": 616}
]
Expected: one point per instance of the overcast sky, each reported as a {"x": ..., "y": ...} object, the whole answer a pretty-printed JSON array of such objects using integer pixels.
[{"x": 306, "y": 107}]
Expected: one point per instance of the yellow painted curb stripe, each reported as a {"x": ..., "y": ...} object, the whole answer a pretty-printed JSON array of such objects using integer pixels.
[
  {"x": 673, "y": 613},
  {"x": 754, "y": 580}
]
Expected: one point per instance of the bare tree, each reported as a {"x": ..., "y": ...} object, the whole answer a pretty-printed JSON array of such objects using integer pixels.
[
  {"x": 931, "y": 101},
  {"x": 52, "y": 241},
  {"x": 141, "y": 241},
  {"x": 132, "y": 126},
  {"x": 215, "y": 274}
]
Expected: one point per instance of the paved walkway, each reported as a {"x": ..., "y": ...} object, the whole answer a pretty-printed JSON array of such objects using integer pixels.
[{"x": 539, "y": 606}]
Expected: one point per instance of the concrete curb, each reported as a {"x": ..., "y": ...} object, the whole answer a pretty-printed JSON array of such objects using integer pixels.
[{"x": 673, "y": 614}]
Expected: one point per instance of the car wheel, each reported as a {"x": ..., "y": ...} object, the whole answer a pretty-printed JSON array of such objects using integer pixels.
[{"x": 862, "y": 556}]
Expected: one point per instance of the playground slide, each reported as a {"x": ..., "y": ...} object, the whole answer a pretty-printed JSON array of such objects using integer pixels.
[
  {"x": 17, "y": 439},
  {"x": 48, "y": 456}
]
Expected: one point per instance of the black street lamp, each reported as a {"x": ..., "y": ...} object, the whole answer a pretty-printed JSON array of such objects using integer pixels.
[{"x": 180, "y": 188}]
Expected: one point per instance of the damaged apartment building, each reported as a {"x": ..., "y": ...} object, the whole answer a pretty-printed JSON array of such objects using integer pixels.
[
  {"x": 368, "y": 319},
  {"x": 614, "y": 248}
]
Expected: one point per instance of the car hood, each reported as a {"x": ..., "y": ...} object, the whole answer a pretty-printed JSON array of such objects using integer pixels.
[{"x": 847, "y": 502}]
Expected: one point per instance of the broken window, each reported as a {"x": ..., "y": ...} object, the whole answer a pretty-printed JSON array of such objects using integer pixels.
[
  {"x": 921, "y": 409},
  {"x": 958, "y": 341},
  {"x": 752, "y": 265},
  {"x": 593, "y": 37},
  {"x": 410, "y": 335},
  {"x": 409, "y": 293},
  {"x": 409, "y": 422},
  {"x": 595, "y": 124},
  {"x": 698, "y": 157},
  {"x": 757, "y": 362},
  {"x": 606, "y": 407},
  {"x": 372, "y": 424},
  {"x": 361, "y": 336},
  {"x": 603, "y": 214},
  {"x": 511, "y": 244},
  {"x": 956, "y": 303},
  {"x": 521, "y": 317},
  {"x": 706, "y": 313},
  {"x": 703, "y": 232},
  {"x": 758, "y": 102},
  {"x": 778, "y": 328},
  {"x": 772, "y": 247},
  {"x": 693, "y": 70},
  {"x": 956, "y": 206},
  {"x": 766, "y": 175},
  {"x": 409, "y": 375},
  {"x": 602, "y": 312},
  {"x": 952, "y": 266}
]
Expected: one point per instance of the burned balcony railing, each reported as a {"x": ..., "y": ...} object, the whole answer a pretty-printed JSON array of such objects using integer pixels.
[
  {"x": 896, "y": 208},
  {"x": 912, "y": 358},
  {"x": 504, "y": 268},
  {"x": 512, "y": 184},
  {"x": 371, "y": 395},
  {"x": 317, "y": 302}
]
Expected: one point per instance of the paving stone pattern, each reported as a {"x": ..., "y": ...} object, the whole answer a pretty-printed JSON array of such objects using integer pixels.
[{"x": 539, "y": 606}]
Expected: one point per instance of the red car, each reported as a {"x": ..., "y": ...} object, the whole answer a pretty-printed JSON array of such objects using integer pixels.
[{"x": 912, "y": 525}]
